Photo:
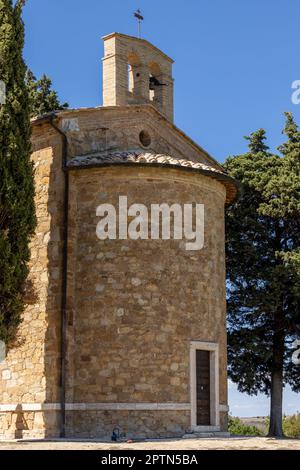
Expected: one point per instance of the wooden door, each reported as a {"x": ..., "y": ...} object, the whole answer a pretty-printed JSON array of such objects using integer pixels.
[{"x": 203, "y": 387}]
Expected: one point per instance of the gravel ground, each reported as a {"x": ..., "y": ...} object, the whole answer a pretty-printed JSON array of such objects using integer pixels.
[{"x": 233, "y": 443}]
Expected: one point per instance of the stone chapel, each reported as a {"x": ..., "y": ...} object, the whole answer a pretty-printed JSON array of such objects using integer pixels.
[{"x": 120, "y": 334}]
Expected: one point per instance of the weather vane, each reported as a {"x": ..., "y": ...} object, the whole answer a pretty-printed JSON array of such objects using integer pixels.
[{"x": 140, "y": 18}]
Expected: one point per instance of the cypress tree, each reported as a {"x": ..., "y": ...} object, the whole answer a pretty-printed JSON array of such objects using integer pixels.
[
  {"x": 263, "y": 274},
  {"x": 17, "y": 210}
]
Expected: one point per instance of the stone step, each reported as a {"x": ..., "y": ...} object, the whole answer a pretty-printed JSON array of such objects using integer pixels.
[{"x": 205, "y": 435}]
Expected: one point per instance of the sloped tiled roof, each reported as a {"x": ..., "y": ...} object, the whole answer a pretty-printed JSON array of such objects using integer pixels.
[{"x": 148, "y": 158}]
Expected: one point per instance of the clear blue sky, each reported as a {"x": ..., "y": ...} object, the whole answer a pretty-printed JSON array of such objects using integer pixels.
[{"x": 235, "y": 61}]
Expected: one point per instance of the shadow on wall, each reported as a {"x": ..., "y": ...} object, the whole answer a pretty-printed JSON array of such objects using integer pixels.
[
  {"x": 20, "y": 423},
  {"x": 54, "y": 201}
]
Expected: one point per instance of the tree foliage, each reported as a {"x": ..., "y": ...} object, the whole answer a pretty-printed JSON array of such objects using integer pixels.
[
  {"x": 43, "y": 99},
  {"x": 291, "y": 425},
  {"x": 236, "y": 427},
  {"x": 17, "y": 211}
]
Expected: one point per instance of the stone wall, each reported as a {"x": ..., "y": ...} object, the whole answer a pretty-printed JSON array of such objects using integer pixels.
[
  {"x": 25, "y": 374},
  {"x": 92, "y": 131},
  {"x": 131, "y": 424},
  {"x": 135, "y": 306},
  {"x": 21, "y": 424}
]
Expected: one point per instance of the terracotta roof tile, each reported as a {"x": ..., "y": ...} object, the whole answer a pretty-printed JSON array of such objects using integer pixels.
[{"x": 138, "y": 157}]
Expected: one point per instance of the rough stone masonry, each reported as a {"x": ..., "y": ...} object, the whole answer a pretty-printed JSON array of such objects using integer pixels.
[{"x": 124, "y": 335}]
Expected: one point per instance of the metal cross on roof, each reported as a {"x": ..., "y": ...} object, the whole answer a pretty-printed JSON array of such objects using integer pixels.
[{"x": 140, "y": 18}]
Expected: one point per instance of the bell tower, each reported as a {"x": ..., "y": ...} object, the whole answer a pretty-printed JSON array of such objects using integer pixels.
[{"x": 136, "y": 72}]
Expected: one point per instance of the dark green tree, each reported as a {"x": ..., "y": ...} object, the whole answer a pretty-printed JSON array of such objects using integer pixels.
[
  {"x": 263, "y": 275},
  {"x": 42, "y": 98},
  {"x": 17, "y": 210}
]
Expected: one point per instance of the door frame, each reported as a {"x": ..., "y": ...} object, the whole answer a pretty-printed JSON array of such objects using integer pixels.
[{"x": 213, "y": 348}]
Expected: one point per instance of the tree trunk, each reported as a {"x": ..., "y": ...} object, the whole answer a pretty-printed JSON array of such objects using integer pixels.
[{"x": 275, "y": 429}]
